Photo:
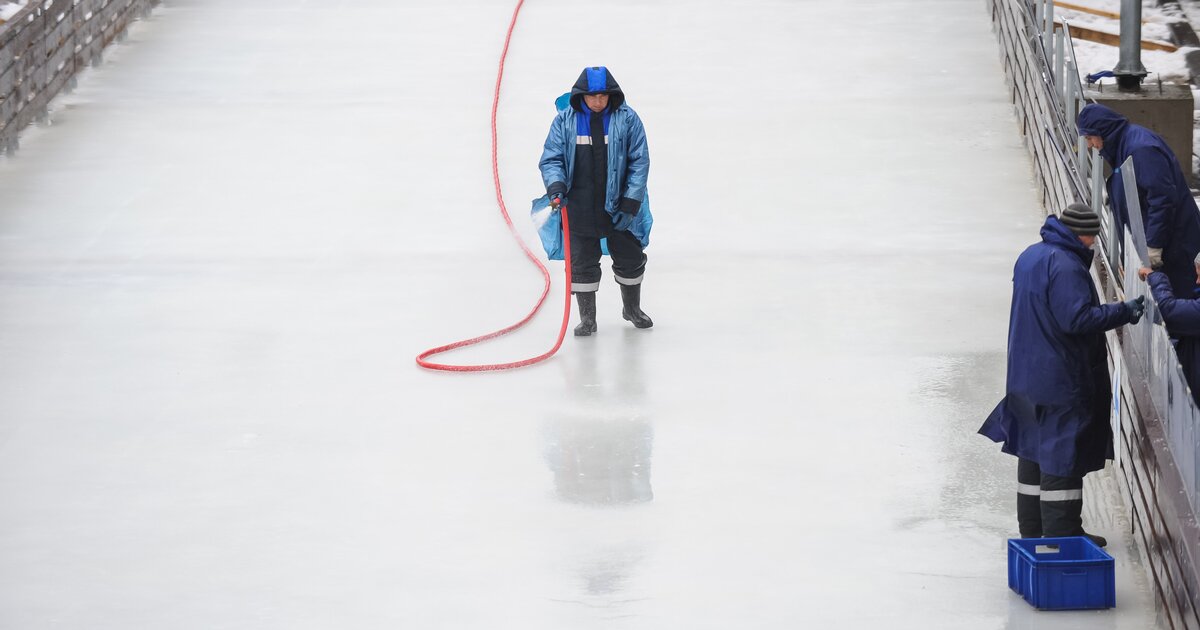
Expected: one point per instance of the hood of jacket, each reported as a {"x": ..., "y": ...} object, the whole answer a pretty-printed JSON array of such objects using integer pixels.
[
  {"x": 1098, "y": 120},
  {"x": 596, "y": 80}
]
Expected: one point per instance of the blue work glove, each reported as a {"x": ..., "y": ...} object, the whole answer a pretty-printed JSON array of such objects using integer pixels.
[
  {"x": 1135, "y": 308},
  {"x": 630, "y": 206}
]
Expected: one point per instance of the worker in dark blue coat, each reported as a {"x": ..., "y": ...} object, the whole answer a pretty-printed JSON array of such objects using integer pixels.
[
  {"x": 1182, "y": 317},
  {"x": 1054, "y": 415},
  {"x": 1169, "y": 212}
]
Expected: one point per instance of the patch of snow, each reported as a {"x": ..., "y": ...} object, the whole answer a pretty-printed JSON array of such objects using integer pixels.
[
  {"x": 10, "y": 8},
  {"x": 1091, "y": 57}
]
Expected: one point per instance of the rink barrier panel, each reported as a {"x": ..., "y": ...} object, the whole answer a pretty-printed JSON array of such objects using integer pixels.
[
  {"x": 1156, "y": 492},
  {"x": 45, "y": 45},
  {"x": 1155, "y": 432}
]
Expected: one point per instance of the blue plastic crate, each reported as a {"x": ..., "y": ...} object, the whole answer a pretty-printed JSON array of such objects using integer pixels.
[{"x": 1076, "y": 575}]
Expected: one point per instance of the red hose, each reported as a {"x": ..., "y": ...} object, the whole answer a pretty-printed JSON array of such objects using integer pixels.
[{"x": 421, "y": 358}]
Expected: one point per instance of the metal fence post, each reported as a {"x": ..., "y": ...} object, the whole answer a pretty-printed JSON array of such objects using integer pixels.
[
  {"x": 1071, "y": 97},
  {"x": 1048, "y": 32},
  {"x": 1082, "y": 162},
  {"x": 1130, "y": 70},
  {"x": 1059, "y": 58}
]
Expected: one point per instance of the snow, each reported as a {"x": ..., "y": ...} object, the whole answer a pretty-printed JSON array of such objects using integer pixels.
[
  {"x": 10, "y": 8},
  {"x": 1171, "y": 67},
  {"x": 1092, "y": 57},
  {"x": 219, "y": 260}
]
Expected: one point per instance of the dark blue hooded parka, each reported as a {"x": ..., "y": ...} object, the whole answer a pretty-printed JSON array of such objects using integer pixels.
[
  {"x": 1182, "y": 317},
  {"x": 1056, "y": 405},
  {"x": 1168, "y": 210}
]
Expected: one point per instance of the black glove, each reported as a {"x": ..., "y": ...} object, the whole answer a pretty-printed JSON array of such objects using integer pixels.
[
  {"x": 630, "y": 206},
  {"x": 1135, "y": 308},
  {"x": 622, "y": 222},
  {"x": 556, "y": 192}
]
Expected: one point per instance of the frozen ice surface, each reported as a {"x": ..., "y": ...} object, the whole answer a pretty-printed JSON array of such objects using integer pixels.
[{"x": 218, "y": 261}]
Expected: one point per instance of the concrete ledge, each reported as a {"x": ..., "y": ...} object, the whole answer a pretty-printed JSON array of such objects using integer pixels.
[{"x": 1165, "y": 109}]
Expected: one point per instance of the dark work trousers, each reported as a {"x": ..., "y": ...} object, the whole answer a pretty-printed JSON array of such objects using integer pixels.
[
  {"x": 629, "y": 261},
  {"x": 1048, "y": 506}
]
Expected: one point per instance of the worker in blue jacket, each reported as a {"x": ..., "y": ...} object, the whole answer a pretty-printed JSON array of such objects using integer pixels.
[
  {"x": 1169, "y": 212},
  {"x": 1055, "y": 411},
  {"x": 596, "y": 162},
  {"x": 1182, "y": 317}
]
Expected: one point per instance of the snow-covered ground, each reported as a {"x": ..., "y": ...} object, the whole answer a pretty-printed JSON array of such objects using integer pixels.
[
  {"x": 218, "y": 261},
  {"x": 10, "y": 8},
  {"x": 1092, "y": 57},
  {"x": 1169, "y": 67}
]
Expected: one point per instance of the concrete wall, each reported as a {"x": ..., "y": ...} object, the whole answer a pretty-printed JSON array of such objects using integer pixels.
[{"x": 1166, "y": 110}]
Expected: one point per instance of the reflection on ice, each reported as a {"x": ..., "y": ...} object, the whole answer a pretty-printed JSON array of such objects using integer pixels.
[
  {"x": 598, "y": 445},
  {"x": 957, "y": 392},
  {"x": 600, "y": 462},
  {"x": 599, "y": 448}
]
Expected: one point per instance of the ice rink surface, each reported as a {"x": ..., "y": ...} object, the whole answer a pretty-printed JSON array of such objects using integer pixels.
[{"x": 220, "y": 258}]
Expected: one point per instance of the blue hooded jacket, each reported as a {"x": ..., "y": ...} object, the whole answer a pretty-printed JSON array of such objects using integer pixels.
[
  {"x": 1056, "y": 405},
  {"x": 628, "y": 168},
  {"x": 1182, "y": 317},
  {"x": 1168, "y": 210}
]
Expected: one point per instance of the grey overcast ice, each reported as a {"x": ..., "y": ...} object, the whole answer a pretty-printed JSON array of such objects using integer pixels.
[{"x": 220, "y": 255}]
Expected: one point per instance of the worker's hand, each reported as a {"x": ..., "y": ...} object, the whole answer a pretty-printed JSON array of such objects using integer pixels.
[
  {"x": 1155, "y": 257},
  {"x": 622, "y": 221},
  {"x": 1135, "y": 308},
  {"x": 630, "y": 206},
  {"x": 1145, "y": 272},
  {"x": 557, "y": 192}
]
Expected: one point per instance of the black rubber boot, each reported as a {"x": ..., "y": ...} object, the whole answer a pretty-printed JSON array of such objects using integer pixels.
[
  {"x": 587, "y": 314},
  {"x": 1062, "y": 506},
  {"x": 631, "y": 297},
  {"x": 1029, "y": 498}
]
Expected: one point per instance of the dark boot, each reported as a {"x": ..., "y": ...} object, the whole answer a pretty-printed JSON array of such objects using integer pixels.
[
  {"x": 1062, "y": 506},
  {"x": 1029, "y": 498},
  {"x": 587, "y": 314},
  {"x": 631, "y": 297}
]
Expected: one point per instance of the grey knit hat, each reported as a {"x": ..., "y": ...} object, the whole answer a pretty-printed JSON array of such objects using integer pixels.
[{"x": 1081, "y": 220}]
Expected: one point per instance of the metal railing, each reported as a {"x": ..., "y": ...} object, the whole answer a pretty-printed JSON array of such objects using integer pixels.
[
  {"x": 1155, "y": 419},
  {"x": 44, "y": 45}
]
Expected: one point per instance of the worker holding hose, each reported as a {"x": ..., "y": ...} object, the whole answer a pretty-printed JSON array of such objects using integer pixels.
[{"x": 595, "y": 163}]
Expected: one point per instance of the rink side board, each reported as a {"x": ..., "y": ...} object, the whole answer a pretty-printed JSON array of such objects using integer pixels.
[{"x": 1158, "y": 489}]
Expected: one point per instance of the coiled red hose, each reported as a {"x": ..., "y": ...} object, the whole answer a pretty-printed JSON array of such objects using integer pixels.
[{"x": 421, "y": 358}]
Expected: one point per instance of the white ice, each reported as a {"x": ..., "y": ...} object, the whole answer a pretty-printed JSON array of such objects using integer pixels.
[{"x": 220, "y": 258}]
